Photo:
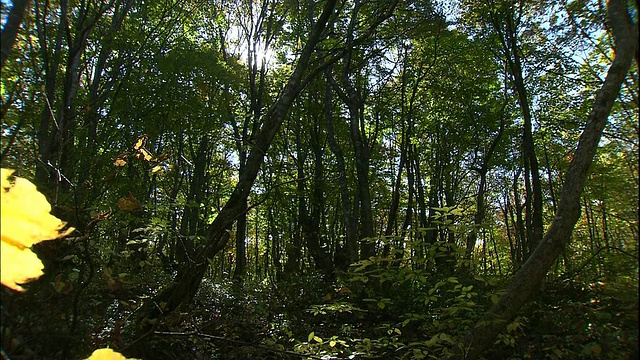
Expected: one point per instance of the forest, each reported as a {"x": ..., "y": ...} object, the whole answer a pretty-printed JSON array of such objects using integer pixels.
[{"x": 324, "y": 179}]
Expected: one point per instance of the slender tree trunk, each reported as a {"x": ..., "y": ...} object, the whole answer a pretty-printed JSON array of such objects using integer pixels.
[
  {"x": 353, "y": 98},
  {"x": 605, "y": 230},
  {"x": 395, "y": 195},
  {"x": 58, "y": 124},
  {"x": 420, "y": 197},
  {"x": 435, "y": 186},
  {"x": 311, "y": 225},
  {"x": 408, "y": 217},
  {"x": 521, "y": 253},
  {"x": 527, "y": 281},
  {"x": 191, "y": 226},
  {"x": 241, "y": 246},
  {"x": 495, "y": 251},
  {"x": 480, "y": 211},
  {"x": 512, "y": 52},
  {"x": 294, "y": 250},
  {"x": 349, "y": 252},
  {"x": 407, "y": 159},
  {"x": 51, "y": 61},
  {"x": 11, "y": 28},
  {"x": 552, "y": 192},
  {"x": 258, "y": 39}
]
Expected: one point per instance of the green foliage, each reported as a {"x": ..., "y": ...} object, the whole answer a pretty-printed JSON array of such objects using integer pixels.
[{"x": 431, "y": 99}]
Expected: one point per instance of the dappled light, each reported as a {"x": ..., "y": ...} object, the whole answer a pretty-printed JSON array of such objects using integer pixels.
[{"x": 319, "y": 180}]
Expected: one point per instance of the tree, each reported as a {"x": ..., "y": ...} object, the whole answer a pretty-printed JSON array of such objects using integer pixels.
[
  {"x": 369, "y": 191},
  {"x": 188, "y": 278},
  {"x": 10, "y": 30},
  {"x": 527, "y": 280}
]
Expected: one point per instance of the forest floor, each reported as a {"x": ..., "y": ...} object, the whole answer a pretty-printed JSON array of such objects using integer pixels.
[{"x": 305, "y": 320}]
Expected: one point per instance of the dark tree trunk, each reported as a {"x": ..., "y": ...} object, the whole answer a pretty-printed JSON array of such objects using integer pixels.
[
  {"x": 192, "y": 226},
  {"x": 348, "y": 253},
  {"x": 352, "y": 97},
  {"x": 241, "y": 246},
  {"x": 519, "y": 224},
  {"x": 311, "y": 224},
  {"x": 527, "y": 281},
  {"x": 506, "y": 28},
  {"x": 11, "y": 28},
  {"x": 294, "y": 250},
  {"x": 533, "y": 216},
  {"x": 478, "y": 218},
  {"x": 57, "y": 165}
]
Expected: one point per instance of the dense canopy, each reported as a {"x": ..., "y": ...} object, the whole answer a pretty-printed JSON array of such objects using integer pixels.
[{"x": 278, "y": 179}]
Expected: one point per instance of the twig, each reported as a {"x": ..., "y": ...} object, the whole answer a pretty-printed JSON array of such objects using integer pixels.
[
  {"x": 221, "y": 338},
  {"x": 577, "y": 272}
]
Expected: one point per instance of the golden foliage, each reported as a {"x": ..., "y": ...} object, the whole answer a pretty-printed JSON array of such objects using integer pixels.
[
  {"x": 129, "y": 204},
  {"x": 26, "y": 220},
  {"x": 106, "y": 354}
]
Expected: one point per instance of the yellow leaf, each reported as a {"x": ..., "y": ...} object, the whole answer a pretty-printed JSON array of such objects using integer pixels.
[
  {"x": 129, "y": 204},
  {"x": 121, "y": 160},
  {"x": 140, "y": 142},
  {"x": 106, "y": 354},
  {"x": 143, "y": 153},
  {"x": 25, "y": 214},
  {"x": 19, "y": 266},
  {"x": 156, "y": 169},
  {"x": 25, "y": 220}
]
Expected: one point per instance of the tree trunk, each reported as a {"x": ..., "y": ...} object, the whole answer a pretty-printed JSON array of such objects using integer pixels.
[
  {"x": 527, "y": 281},
  {"x": 58, "y": 124},
  {"x": 10, "y": 30},
  {"x": 480, "y": 211},
  {"x": 348, "y": 253},
  {"x": 191, "y": 225},
  {"x": 352, "y": 97},
  {"x": 311, "y": 225},
  {"x": 292, "y": 267},
  {"x": 532, "y": 175},
  {"x": 187, "y": 281}
]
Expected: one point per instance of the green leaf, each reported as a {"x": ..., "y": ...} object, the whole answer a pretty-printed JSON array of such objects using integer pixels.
[
  {"x": 494, "y": 298},
  {"x": 592, "y": 348}
]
